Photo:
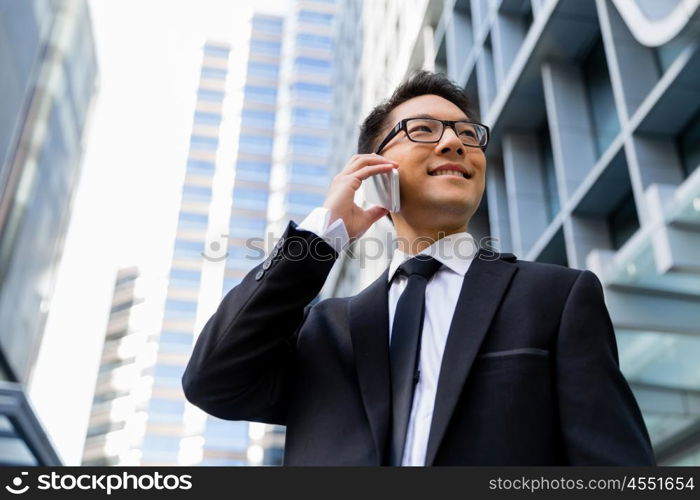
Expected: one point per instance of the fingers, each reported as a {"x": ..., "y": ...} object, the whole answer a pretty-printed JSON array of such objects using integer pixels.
[
  {"x": 359, "y": 161},
  {"x": 371, "y": 170}
]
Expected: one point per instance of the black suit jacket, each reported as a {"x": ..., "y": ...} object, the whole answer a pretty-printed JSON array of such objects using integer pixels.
[{"x": 529, "y": 375}]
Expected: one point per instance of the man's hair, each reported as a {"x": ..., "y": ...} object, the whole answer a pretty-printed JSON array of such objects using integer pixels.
[{"x": 420, "y": 83}]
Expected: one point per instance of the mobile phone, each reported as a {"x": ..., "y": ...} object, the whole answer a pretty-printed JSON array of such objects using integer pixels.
[{"x": 383, "y": 190}]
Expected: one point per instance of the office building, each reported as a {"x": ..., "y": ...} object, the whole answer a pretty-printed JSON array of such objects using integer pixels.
[
  {"x": 595, "y": 116},
  {"x": 48, "y": 72}
]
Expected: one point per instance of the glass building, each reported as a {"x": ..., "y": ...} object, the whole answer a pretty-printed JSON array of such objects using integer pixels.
[
  {"x": 593, "y": 164},
  {"x": 48, "y": 71}
]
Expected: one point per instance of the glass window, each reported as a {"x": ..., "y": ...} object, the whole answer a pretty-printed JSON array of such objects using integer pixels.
[
  {"x": 253, "y": 171},
  {"x": 196, "y": 193},
  {"x": 204, "y": 118},
  {"x": 312, "y": 91},
  {"x": 225, "y": 435},
  {"x": 210, "y": 95},
  {"x": 310, "y": 145},
  {"x": 310, "y": 170},
  {"x": 180, "y": 308},
  {"x": 265, "y": 95},
  {"x": 313, "y": 65},
  {"x": 217, "y": 73},
  {"x": 600, "y": 98},
  {"x": 193, "y": 220},
  {"x": 204, "y": 143},
  {"x": 311, "y": 117},
  {"x": 689, "y": 144},
  {"x": 155, "y": 443},
  {"x": 200, "y": 166},
  {"x": 246, "y": 227},
  {"x": 188, "y": 249},
  {"x": 262, "y": 70},
  {"x": 309, "y": 16},
  {"x": 265, "y": 47},
  {"x": 215, "y": 51},
  {"x": 623, "y": 222},
  {"x": 315, "y": 41},
  {"x": 310, "y": 199},
  {"x": 250, "y": 198},
  {"x": 266, "y": 24},
  {"x": 184, "y": 278},
  {"x": 258, "y": 118},
  {"x": 255, "y": 144}
]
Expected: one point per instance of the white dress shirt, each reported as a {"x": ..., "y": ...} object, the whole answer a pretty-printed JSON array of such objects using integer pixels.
[{"x": 456, "y": 253}]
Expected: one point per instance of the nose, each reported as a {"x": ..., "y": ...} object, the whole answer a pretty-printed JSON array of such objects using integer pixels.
[{"x": 450, "y": 142}]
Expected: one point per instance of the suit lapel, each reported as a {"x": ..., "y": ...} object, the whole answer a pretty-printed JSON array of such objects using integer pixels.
[
  {"x": 482, "y": 291},
  {"x": 369, "y": 327}
]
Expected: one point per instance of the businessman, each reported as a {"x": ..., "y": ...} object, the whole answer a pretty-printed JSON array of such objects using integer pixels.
[{"x": 450, "y": 357}]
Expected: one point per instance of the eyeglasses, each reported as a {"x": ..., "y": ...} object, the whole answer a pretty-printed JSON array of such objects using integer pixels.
[{"x": 430, "y": 130}]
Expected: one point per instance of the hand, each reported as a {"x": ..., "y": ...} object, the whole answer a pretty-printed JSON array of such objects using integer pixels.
[{"x": 341, "y": 193}]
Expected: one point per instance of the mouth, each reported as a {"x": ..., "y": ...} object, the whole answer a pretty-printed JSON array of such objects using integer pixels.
[{"x": 452, "y": 170}]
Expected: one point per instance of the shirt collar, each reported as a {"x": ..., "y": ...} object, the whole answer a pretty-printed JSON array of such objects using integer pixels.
[{"x": 455, "y": 251}]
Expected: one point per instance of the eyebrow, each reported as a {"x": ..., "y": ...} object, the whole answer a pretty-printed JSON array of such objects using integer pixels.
[{"x": 424, "y": 115}]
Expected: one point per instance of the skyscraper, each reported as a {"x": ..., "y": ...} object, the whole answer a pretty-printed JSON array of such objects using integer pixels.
[
  {"x": 593, "y": 162},
  {"x": 47, "y": 78}
]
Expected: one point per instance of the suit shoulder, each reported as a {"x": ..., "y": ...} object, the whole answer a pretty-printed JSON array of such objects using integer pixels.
[{"x": 541, "y": 270}]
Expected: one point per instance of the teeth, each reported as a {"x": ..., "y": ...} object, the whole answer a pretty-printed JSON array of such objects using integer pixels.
[{"x": 449, "y": 172}]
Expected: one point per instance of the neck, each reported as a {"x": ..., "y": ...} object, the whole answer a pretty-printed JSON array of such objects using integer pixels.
[{"x": 413, "y": 239}]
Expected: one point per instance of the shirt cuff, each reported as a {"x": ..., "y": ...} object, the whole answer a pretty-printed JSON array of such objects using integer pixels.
[{"x": 317, "y": 222}]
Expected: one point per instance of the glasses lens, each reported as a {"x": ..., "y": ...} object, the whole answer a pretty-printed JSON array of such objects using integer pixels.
[
  {"x": 424, "y": 129},
  {"x": 472, "y": 134}
]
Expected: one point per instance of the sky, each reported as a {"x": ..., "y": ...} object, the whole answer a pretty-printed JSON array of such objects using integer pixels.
[{"x": 126, "y": 205}]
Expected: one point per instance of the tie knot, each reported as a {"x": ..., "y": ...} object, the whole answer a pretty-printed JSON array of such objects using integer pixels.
[{"x": 424, "y": 265}]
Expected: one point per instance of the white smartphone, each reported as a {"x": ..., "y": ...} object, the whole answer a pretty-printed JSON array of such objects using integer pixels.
[{"x": 383, "y": 189}]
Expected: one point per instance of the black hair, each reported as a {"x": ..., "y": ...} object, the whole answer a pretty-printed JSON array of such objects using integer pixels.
[{"x": 418, "y": 84}]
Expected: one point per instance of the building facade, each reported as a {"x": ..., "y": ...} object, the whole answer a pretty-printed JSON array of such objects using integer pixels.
[
  {"x": 48, "y": 72},
  {"x": 593, "y": 162}
]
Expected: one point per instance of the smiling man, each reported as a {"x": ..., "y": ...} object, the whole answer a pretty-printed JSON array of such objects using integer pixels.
[{"x": 449, "y": 357}]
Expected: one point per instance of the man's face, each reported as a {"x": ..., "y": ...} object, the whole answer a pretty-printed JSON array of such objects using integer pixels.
[{"x": 428, "y": 200}]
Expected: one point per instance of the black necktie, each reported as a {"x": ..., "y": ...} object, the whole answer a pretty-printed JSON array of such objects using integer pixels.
[{"x": 405, "y": 348}]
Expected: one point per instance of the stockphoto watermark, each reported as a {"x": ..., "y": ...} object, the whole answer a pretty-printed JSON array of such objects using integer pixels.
[
  {"x": 106, "y": 483},
  {"x": 365, "y": 249}
]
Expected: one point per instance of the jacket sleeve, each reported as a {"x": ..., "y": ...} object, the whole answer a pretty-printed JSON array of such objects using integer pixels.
[
  {"x": 600, "y": 419},
  {"x": 242, "y": 365}
]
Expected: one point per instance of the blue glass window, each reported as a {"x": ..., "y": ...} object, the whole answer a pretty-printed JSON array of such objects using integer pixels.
[
  {"x": 226, "y": 435},
  {"x": 258, "y": 118},
  {"x": 173, "y": 342},
  {"x": 180, "y": 308},
  {"x": 188, "y": 249},
  {"x": 196, "y": 193},
  {"x": 310, "y": 199},
  {"x": 204, "y": 118},
  {"x": 213, "y": 51},
  {"x": 313, "y": 65},
  {"x": 309, "y": 16},
  {"x": 255, "y": 144},
  {"x": 210, "y": 95},
  {"x": 217, "y": 73},
  {"x": 311, "y": 117},
  {"x": 312, "y": 91},
  {"x": 229, "y": 283},
  {"x": 262, "y": 70},
  {"x": 154, "y": 443},
  {"x": 253, "y": 171},
  {"x": 265, "y": 47},
  {"x": 310, "y": 145},
  {"x": 266, "y": 24},
  {"x": 265, "y": 95},
  {"x": 315, "y": 41},
  {"x": 600, "y": 98},
  {"x": 190, "y": 220},
  {"x": 204, "y": 143},
  {"x": 246, "y": 227},
  {"x": 200, "y": 166},
  {"x": 184, "y": 278},
  {"x": 309, "y": 174}
]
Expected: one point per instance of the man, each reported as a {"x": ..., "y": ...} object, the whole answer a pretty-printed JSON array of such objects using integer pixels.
[{"x": 449, "y": 357}]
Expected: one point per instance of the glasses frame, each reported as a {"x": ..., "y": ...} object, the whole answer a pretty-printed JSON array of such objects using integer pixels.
[{"x": 401, "y": 125}]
